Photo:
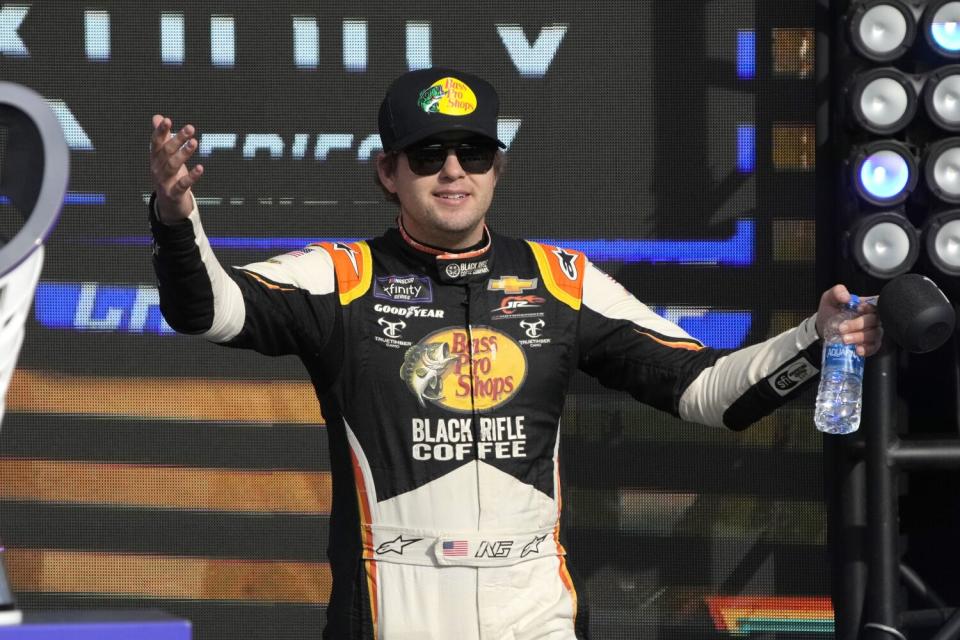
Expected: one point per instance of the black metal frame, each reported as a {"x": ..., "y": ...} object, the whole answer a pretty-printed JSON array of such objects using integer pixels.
[{"x": 863, "y": 516}]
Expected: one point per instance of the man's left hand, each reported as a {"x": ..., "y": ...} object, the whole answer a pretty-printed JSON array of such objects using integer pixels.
[{"x": 864, "y": 330}]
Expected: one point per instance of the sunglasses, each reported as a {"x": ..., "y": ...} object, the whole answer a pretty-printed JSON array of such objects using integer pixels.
[{"x": 427, "y": 160}]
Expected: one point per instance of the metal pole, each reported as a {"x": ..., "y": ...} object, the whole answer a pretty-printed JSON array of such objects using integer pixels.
[
  {"x": 845, "y": 486},
  {"x": 880, "y": 422}
]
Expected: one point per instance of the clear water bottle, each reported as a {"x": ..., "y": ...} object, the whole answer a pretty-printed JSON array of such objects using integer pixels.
[{"x": 841, "y": 378}]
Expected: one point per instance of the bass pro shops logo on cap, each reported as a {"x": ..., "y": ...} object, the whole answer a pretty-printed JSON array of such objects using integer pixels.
[{"x": 448, "y": 96}]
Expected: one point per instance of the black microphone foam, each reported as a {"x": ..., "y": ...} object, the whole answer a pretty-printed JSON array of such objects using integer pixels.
[{"x": 915, "y": 313}]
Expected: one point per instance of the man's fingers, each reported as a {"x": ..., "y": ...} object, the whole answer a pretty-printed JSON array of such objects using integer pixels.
[
  {"x": 172, "y": 145},
  {"x": 161, "y": 132},
  {"x": 839, "y": 295},
  {"x": 179, "y": 158},
  {"x": 185, "y": 182}
]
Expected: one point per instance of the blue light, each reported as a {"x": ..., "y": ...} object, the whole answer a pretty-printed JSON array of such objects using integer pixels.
[
  {"x": 945, "y": 28},
  {"x": 746, "y": 54},
  {"x": 717, "y": 329},
  {"x": 746, "y": 148},
  {"x": 72, "y": 197},
  {"x": 737, "y": 250},
  {"x": 85, "y": 198},
  {"x": 884, "y": 174},
  {"x": 91, "y": 306}
]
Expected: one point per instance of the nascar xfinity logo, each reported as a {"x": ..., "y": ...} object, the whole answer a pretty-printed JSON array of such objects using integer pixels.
[
  {"x": 403, "y": 288},
  {"x": 409, "y": 312}
]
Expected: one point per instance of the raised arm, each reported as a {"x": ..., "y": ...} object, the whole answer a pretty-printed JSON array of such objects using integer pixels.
[{"x": 285, "y": 305}]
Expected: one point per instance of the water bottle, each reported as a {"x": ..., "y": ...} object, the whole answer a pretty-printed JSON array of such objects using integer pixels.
[{"x": 841, "y": 378}]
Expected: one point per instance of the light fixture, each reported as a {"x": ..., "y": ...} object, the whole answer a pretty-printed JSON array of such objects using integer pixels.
[
  {"x": 941, "y": 26},
  {"x": 941, "y": 240},
  {"x": 884, "y": 245},
  {"x": 942, "y": 169},
  {"x": 941, "y": 97},
  {"x": 883, "y": 100},
  {"x": 883, "y": 172},
  {"x": 882, "y": 30}
]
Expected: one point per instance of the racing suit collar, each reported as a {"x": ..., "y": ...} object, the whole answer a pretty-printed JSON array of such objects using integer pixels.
[{"x": 453, "y": 267}]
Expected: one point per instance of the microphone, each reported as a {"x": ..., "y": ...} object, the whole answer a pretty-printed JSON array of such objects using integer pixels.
[{"x": 915, "y": 313}]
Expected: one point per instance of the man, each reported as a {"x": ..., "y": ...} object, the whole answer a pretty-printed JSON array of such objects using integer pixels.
[{"x": 441, "y": 353}]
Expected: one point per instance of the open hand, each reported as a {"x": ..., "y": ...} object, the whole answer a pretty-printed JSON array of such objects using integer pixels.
[{"x": 168, "y": 168}]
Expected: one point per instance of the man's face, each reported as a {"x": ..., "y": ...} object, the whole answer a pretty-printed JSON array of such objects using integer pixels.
[{"x": 446, "y": 208}]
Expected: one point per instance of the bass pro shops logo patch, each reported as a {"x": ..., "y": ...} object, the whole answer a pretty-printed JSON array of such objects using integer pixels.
[
  {"x": 449, "y": 96},
  {"x": 481, "y": 370}
]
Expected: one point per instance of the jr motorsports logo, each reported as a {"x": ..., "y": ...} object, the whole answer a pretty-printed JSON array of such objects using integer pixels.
[
  {"x": 449, "y": 96},
  {"x": 438, "y": 369}
]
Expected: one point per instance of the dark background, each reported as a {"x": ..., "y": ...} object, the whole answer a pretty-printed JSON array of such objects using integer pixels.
[{"x": 140, "y": 468}]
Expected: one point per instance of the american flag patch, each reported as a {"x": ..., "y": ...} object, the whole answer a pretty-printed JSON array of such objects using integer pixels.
[
  {"x": 295, "y": 254},
  {"x": 455, "y": 548}
]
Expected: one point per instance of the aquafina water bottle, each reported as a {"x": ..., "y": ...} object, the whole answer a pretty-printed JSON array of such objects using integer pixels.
[{"x": 841, "y": 378}]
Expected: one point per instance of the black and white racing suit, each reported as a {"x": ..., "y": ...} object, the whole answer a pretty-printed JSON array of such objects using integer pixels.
[{"x": 442, "y": 378}]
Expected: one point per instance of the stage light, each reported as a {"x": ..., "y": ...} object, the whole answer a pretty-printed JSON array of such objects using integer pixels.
[
  {"x": 883, "y": 100},
  {"x": 942, "y": 169},
  {"x": 884, "y": 172},
  {"x": 941, "y": 25},
  {"x": 882, "y": 30},
  {"x": 884, "y": 245},
  {"x": 941, "y": 240},
  {"x": 941, "y": 97}
]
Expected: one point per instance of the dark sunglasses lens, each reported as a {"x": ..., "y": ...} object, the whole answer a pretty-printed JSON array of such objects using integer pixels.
[
  {"x": 476, "y": 159},
  {"x": 426, "y": 162}
]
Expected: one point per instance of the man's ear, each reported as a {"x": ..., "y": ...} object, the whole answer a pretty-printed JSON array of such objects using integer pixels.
[{"x": 387, "y": 170}]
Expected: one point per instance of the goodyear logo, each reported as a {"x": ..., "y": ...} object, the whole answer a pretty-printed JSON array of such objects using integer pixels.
[
  {"x": 438, "y": 369},
  {"x": 448, "y": 96}
]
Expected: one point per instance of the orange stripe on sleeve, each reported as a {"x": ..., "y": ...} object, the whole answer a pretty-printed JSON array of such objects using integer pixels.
[
  {"x": 562, "y": 271},
  {"x": 354, "y": 267},
  {"x": 673, "y": 344}
]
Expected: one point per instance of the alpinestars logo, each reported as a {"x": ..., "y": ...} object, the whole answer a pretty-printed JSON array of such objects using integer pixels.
[
  {"x": 533, "y": 546},
  {"x": 397, "y": 545},
  {"x": 351, "y": 255},
  {"x": 568, "y": 263}
]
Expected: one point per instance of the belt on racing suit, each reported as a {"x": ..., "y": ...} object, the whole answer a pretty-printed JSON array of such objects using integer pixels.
[{"x": 403, "y": 545}]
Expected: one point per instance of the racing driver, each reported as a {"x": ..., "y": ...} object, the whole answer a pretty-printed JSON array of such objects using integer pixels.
[{"x": 441, "y": 353}]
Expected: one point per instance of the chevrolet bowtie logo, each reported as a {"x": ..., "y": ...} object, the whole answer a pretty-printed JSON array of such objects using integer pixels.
[{"x": 511, "y": 284}]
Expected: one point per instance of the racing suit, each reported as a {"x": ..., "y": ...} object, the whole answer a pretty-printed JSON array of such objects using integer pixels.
[{"x": 442, "y": 378}]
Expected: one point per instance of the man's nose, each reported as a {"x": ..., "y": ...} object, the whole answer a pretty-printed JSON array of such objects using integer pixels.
[{"x": 451, "y": 168}]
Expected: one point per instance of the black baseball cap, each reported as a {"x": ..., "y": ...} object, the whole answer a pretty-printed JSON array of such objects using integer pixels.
[{"x": 430, "y": 102}]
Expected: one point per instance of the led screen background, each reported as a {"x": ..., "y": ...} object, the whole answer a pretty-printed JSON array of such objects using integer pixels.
[{"x": 670, "y": 141}]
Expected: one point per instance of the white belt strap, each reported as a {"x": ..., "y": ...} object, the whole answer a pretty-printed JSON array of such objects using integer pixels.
[{"x": 463, "y": 549}]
